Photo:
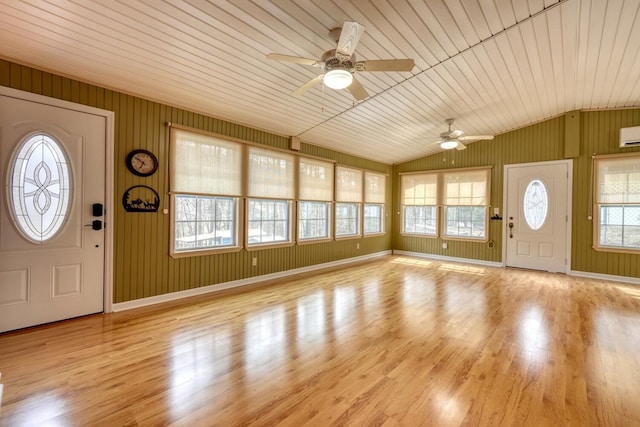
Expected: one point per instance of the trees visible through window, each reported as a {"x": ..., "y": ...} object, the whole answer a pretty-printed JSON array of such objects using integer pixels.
[
  {"x": 617, "y": 188},
  {"x": 271, "y": 190},
  {"x": 205, "y": 185},
  {"x": 463, "y": 195},
  {"x": 348, "y": 201},
  {"x": 204, "y": 222},
  {"x": 466, "y": 202},
  {"x": 419, "y": 200},
  {"x": 227, "y": 195},
  {"x": 315, "y": 191},
  {"x": 375, "y": 189}
]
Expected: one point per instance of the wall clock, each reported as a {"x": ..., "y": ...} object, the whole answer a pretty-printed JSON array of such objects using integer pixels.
[{"x": 142, "y": 162}]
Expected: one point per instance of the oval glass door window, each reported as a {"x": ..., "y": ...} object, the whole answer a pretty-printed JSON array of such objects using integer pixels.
[
  {"x": 535, "y": 204},
  {"x": 40, "y": 190}
]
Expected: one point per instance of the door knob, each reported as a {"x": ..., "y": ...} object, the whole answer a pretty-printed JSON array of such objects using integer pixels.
[
  {"x": 511, "y": 230},
  {"x": 95, "y": 225}
]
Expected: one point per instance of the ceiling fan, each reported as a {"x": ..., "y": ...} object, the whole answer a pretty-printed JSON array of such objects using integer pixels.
[
  {"x": 454, "y": 138},
  {"x": 340, "y": 63}
]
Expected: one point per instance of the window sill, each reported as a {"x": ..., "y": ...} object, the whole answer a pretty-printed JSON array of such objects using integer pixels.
[
  {"x": 616, "y": 249},
  {"x": 312, "y": 241},
  {"x": 204, "y": 251},
  {"x": 261, "y": 246}
]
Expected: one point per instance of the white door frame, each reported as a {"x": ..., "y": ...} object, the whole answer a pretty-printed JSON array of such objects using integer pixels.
[
  {"x": 109, "y": 171},
  {"x": 505, "y": 195}
]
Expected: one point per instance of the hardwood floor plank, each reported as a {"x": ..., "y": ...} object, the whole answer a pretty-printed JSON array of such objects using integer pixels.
[{"x": 397, "y": 341}]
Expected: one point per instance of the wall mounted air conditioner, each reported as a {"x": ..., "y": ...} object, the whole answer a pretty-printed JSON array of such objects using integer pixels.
[{"x": 630, "y": 137}]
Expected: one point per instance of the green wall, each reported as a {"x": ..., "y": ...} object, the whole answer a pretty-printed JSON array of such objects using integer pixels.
[
  {"x": 143, "y": 268},
  {"x": 597, "y": 133},
  {"x": 142, "y": 265}
]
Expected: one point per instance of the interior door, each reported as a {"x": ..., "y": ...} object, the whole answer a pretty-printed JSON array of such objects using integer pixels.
[
  {"x": 536, "y": 216},
  {"x": 51, "y": 250}
]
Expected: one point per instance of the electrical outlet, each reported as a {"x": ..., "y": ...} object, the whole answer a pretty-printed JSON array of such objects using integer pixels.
[
  {"x": 357, "y": 245},
  {"x": 254, "y": 261},
  {"x": 444, "y": 245},
  {"x": 490, "y": 244}
]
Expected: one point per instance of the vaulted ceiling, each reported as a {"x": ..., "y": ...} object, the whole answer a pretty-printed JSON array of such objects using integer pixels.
[{"x": 494, "y": 65}]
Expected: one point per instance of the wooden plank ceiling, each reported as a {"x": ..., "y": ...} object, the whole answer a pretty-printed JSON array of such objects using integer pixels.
[{"x": 494, "y": 65}]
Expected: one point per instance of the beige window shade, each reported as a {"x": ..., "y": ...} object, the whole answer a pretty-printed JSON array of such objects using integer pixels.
[
  {"x": 316, "y": 180},
  {"x": 375, "y": 187},
  {"x": 618, "y": 180},
  {"x": 419, "y": 189},
  {"x": 466, "y": 188},
  {"x": 348, "y": 184},
  {"x": 271, "y": 174},
  {"x": 204, "y": 164}
]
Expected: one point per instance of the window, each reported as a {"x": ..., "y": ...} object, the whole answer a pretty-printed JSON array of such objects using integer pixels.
[
  {"x": 205, "y": 189},
  {"x": 271, "y": 191},
  {"x": 466, "y": 202},
  {"x": 268, "y": 221},
  {"x": 535, "y": 204},
  {"x": 374, "y": 197},
  {"x": 617, "y": 190},
  {"x": 204, "y": 222},
  {"x": 40, "y": 188},
  {"x": 315, "y": 194},
  {"x": 348, "y": 201},
  {"x": 419, "y": 200}
]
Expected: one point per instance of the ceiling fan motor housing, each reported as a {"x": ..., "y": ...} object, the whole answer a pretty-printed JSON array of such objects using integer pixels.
[{"x": 331, "y": 62}]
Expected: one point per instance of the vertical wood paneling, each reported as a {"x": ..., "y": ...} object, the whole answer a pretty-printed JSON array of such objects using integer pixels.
[
  {"x": 142, "y": 265},
  {"x": 540, "y": 142}
]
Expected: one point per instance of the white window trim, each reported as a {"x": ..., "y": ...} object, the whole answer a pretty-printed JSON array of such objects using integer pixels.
[
  {"x": 441, "y": 208},
  {"x": 596, "y": 206},
  {"x": 330, "y": 213}
]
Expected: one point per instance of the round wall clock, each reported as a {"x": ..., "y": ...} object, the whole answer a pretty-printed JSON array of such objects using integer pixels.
[{"x": 142, "y": 162}]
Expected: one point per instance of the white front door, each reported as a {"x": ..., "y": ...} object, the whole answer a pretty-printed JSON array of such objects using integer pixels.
[
  {"x": 51, "y": 257},
  {"x": 536, "y": 218}
]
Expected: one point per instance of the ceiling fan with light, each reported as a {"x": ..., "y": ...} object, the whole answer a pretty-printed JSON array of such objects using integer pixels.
[
  {"x": 454, "y": 138},
  {"x": 340, "y": 64}
]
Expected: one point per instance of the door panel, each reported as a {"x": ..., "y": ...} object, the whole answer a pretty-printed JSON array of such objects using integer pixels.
[
  {"x": 64, "y": 276},
  {"x": 536, "y": 218}
]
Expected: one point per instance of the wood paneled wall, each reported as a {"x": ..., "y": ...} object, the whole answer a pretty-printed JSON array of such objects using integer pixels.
[
  {"x": 142, "y": 265},
  {"x": 599, "y": 135},
  {"x": 539, "y": 142},
  {"x": 143, "y": 268}
]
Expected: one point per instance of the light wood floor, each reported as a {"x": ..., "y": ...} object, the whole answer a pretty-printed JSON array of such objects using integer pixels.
[{"x": 397, "y": 341}]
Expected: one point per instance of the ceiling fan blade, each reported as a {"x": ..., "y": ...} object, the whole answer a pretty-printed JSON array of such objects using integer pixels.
[
  {"x": 461, "y": 146},
  {"x": 385, "y": 65},
  {"x": 349, "y": 37},
  {"x": 289, "y": 58},
  {"x": 476, "y": 137},
  {"x": 357, "y": 90},
  {"x": 455, "y": 134},
  {"x": 308, "y": 85}
]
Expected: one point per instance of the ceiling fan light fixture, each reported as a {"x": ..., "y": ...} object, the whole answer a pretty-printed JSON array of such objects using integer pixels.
[
  {"x": 338, "y": 79},
  {"x": 448, "y": 145}
]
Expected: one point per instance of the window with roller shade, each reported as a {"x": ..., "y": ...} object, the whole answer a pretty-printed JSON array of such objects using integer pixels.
[
  {"x": 375, "y": 188},
  {"x": 465, "y": 200},
  {"x": 315, "y": 194},
  {"x": 348, "y": 201},
  {"x": 451, "y": 204},
  {"x": 205, "y": 189},
  {"x": 419, "y": 204},
  {"x": 617, "y": 203},
  {"x": 271, "y": 191}
]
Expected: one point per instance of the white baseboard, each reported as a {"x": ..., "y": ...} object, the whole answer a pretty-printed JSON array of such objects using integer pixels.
[
  {"x": 451, "y": 259},
  {"x": 609, "y": 277},
  {"x": 143, "y": 302}
]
